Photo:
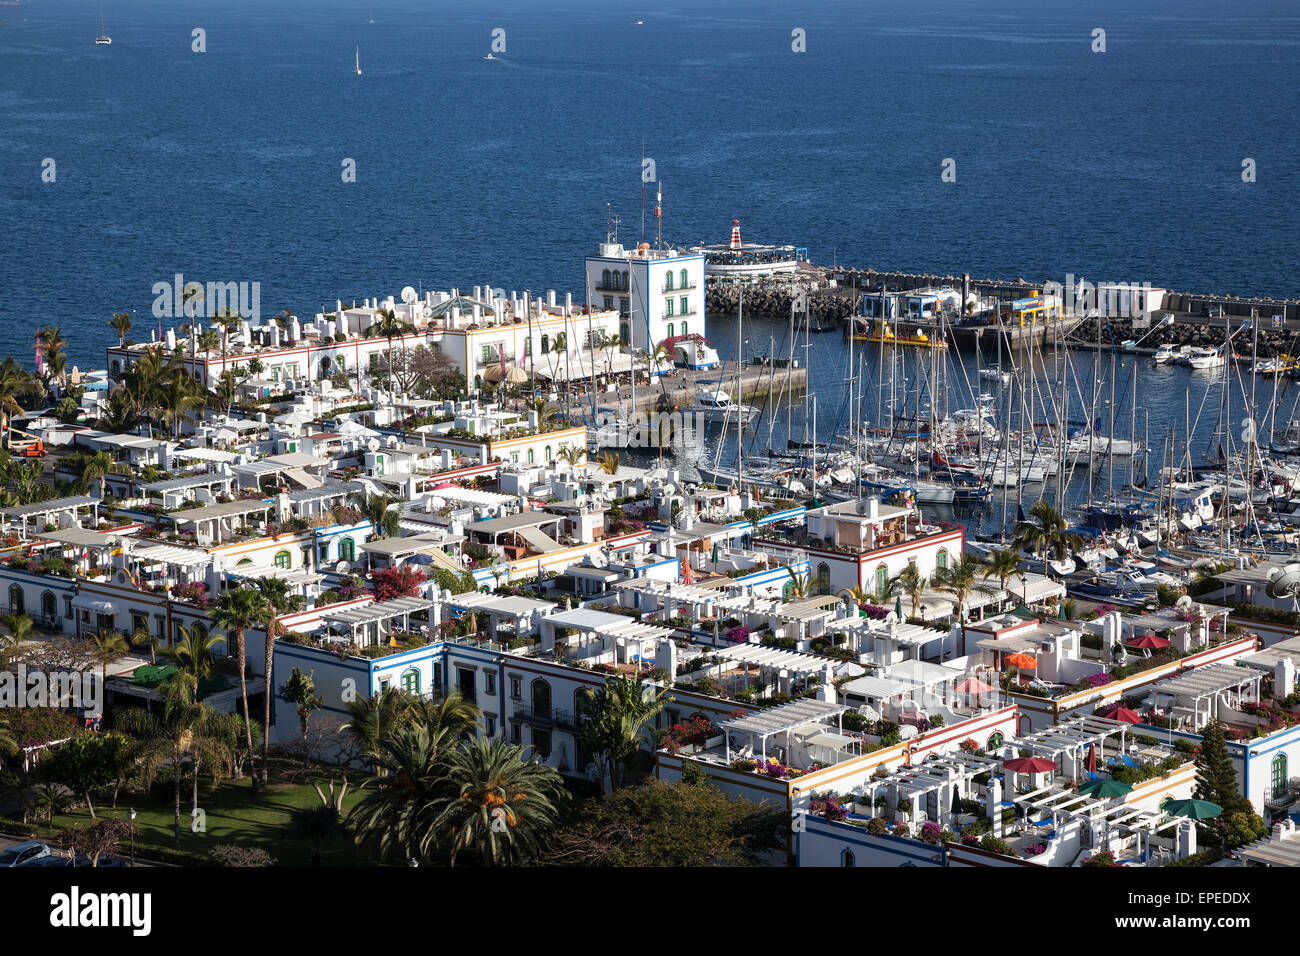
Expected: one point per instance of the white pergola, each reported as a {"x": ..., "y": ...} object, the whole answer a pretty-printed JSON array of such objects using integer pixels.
[
  {"x": 798, "y": 715},
  {"x": 1196, "y": 694},
  {"x": 366, "y": 624}
]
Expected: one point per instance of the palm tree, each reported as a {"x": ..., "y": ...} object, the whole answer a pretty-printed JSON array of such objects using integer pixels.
[
  {"x": 195, "y": 657},
  {"x": 141, "y": 638},
  {"x": 98, "y": 467},
  {"x": 910, "y": 582},
  {"x": 572, "y": 455},
  {"x": 1046, "y": 535},
  {"x": 178, "y": 394},
  {"x": 390, "y": 327},
  {"x": 609, "y": 463},
  {"x": 1003, "y": 564},
  {"x": 235, "y": 612},
  {"x": 617, "y": 720},
  {"x": 858, "y": 598},
  {"x": 502, "y": 806},
  {"x": 378, "y": 509},
  {"x": 172, "y": 738},
  {"x": 452, "y": 719},
  {"x": 398, "y": 814},
  {"x": 20, "y": 628},
  {"x": 300, "y": 690},
  {"x": 13, "y": 382},
  {"x": 371, "y": 719},
  {"x": 121, "y": 324},
  {"x": 277, "y": 598},
  {"x": 800, "y": 583},
  {"x": 321, "y": 822},
  {"x": 107, "y": 647},
  {"x": 18, "y": 787},
  {"x": 959, "y": 580}
]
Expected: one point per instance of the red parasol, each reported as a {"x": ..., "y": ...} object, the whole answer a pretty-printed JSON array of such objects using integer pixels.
[
  {"x": 1021, "y": 661},
  {"x": 1092, "y": 758},
  {"x": 1029, "y": 765},
  {"x": 1119, "y": 712},
  {"x": 1148, "y": 642}
]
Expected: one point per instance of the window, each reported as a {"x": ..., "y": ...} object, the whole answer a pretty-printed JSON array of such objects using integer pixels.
[
  {"x": 1277, "y": 775},
  {"x": 283, "y": 559},
  {"x": 489, "y": 683},
  {"x": 411, "y": 682},
  {"x": 847, "y": 858},
  {"x": 542, "y": 743},
  {"x": 546, "y": 344},
  {"x": 670, "y": 330},
  {"x": 243, "y": 561},
  {"x": 823, "y": 578},
  {"x": 604, "y": 280},
  {"x": 516, "y": 688},
  {"x": 139, "y": 622},
  {"x": 625, "y": 285},
  {"x": 941, "y": 560},
  {"x": 541, "y": 691},
  {"x": 995, "y": 741},
  {"x": 686, "y": 307},
  {"x": 624, "y": 309},
  {"x": 668, "y": 281},
  {"x": 684, "y": 327},
  {"x": 686, "y": 282},
  {"x": 531, "y": 456},
  {"x": 516, "y": 736},
  {"x": 67, "y": 607},
  {"x": 528, "y": 348},
  {"x": 609, "y": 303},
  {"x": 882, "y": 582},
  {"x": 347, "y": 549},
  {"x": 548, "y": 452},
  {"x": 324, "y": 551},
  {"x": 668, "y": 303},
  {"x": 49, "y": 607},
  {"x": 16, "y": 603},
  {"x": 490, "y": 724}
]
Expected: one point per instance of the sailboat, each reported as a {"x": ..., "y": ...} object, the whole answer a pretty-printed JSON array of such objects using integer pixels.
[
  {"x": 372, "y": 16},
  {"x": 103, "y": 39},
  {"x": 358, "y": 61}
]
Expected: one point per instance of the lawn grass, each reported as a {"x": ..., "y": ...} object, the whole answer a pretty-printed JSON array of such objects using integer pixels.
[{"x": 234, "y": 815}]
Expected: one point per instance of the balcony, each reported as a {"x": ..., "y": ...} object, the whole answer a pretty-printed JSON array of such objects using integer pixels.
[
  {"x": 1280, "y": 798},
  {"x": 681, "y": 288},
  {"x": 544, "y": 717}
]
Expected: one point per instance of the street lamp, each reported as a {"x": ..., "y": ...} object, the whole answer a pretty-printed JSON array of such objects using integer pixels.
[{"x": 131, "y": 814}]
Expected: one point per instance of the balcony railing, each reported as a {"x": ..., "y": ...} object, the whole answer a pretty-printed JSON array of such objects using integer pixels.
[{"x": 544, "y": 717}]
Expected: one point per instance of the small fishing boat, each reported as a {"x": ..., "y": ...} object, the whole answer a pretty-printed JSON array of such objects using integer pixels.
[
  {"x": 1165, "y": 354},
  {"x": 103, "y": 39},
  {"x": 358, "y": 61}
]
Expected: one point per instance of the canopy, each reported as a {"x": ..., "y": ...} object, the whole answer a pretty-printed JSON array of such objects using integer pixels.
[
  {"x": 1194, "y": 809},
  {"x": 1105, "y": 788},
  {"x": 972, "y": 685},
  {"x": 1119, "y": 712},
  {"x": 1029, "y": 765},
  {"x": 1022, "y": 661},
  {"x": 512, "y": 374},
  {"x": 1148, "y": 642}
]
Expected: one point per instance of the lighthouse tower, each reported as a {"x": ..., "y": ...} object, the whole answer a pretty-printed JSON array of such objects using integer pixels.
[{"x": 735, "y": 235}]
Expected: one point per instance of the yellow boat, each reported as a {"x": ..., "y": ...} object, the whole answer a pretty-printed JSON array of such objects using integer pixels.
[{"x": 882, "y": 334}]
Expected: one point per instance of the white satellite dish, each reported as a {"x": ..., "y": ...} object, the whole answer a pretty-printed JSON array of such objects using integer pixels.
[
  {"x": 428, "y": 312},
  {"x": 498, "y": 293},
  {"x": 342, "y": 567},
  {"x": 372, "y": 444},
  {"x": 1184, "y": 603},
  {"x": 891, "y": 618},
  {"x": 1284, "y": 582},
  {"x": 409, "y": 295}
]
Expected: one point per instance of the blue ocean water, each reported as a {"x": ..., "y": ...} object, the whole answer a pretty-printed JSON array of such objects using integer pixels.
[{"x": 225, "y": 166}]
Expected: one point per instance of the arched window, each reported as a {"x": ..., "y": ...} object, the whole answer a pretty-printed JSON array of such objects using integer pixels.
[
  {"x": 283, "y": 559},
  {"x": 347, "y": 550},
  {"x": 243, "y": 561},
  {"x": 823, "y": 578},
  {"x": 49, "y": 608},
  {"x": 1277, "y": 775},
  {"x": 685, "y": 281},
  {"x": 684, "y": 332},
  {"x": 625, "y": 282},
  {"x": 117, "y": 369},
  {"x": 847, "y": 858},
  {"x": 411, "y": 681},
  {"x": 541, "y": 699},
  {"x": 668, "y": 281},
  {"x": 882, "y": 582},
  {"x": 995, "y": 741},
  {"x": 531, "y": 456},
  {"x": 16, "y": 603},
  {"x": 604, "y": 279},
  {"x": 546, "y": 344},
  {"x": 548, "y": 452},
  {"x": 941, "y": 560},
  {"x": 670, "y": 330}
]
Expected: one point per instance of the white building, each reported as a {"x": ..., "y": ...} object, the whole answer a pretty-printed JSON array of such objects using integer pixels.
[{"x": 658, "y": 293}]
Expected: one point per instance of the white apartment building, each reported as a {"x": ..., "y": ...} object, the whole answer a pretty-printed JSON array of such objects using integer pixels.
[{"x": 658, "y": 293}]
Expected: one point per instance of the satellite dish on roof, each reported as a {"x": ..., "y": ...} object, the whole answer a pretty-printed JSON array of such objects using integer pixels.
[
  {"x": 409, "y": 295},
  {"x": 1284, "y": 582},
  {"x": 428, "y": 312},
  {"x": 372, "y": 444},
  {"x": 891, "y": 618},
  {"x": 1184, "y": 603},
  {"x": 343, "y": 567}
]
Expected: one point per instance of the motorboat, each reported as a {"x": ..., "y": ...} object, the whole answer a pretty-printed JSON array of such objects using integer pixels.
[{"x": 716, "y": 405}]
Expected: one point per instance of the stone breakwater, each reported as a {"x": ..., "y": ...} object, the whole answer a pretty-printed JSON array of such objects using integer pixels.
[
  {"x": 773, "y": 300},
  {"x": 1189, "y": 332}
]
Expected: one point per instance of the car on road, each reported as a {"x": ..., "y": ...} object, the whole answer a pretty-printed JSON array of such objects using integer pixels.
[
  {"x": 21, "y": 854},
  {"x": 1212, "y": 311},
  {"x": 60, "y": 859}
]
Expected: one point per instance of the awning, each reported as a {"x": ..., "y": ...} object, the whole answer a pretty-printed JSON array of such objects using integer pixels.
[{"x": 92, "y": 604}]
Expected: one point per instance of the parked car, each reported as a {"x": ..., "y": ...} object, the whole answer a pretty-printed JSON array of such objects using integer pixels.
[
  {"x": 59, "y": 859},
  {"x": 1212, "y": 311},
  {"x": 23, "y": 853}
]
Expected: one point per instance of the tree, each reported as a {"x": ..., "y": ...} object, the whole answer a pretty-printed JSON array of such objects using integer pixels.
[
  {"x": 235, "y": 612},
  {"x": 397, "y": 815},
  {"x": 83, "y": 765},
  {"x": 390, "y": 327},
  {"x": 174, "y": 737},
  {"x": 392, "y": 583},
  {"x": 502, "y": 806},
  {"x": 97, "y": 839},
  {"x": 959, "y": 579},
  {"x": 20, "y": 628},
  {"x": 18, "y": 789},
  {"x": 617, "y": 720},
  {"x": 14, "y": 381},
  {"x": 141, "y": 638},
  {"x": 277, "y": 598},
  {"x": 378, "y": 510},
  {"x": 609, "y": 463},
  {"x": 121, "y": 324},
  {"x": 300, "y": 690},
  {"x": 909, "y": 582},
  {"x": 670, "y": 825},
  {"x": 321, "y": 822},
  {"x": 1216, "y": 781},
  {"x": 800, "y": 583},
  {"x": 108, "y": 647},
  {"x": 372, "y": 719},
  {"x": 195, "y": 657},
  {"x": 1004, "y": 565},
  {"x": 1045, "y": 535}
]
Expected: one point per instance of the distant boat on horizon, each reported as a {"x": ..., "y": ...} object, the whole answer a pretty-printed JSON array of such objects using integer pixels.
[
  {"x": 103, "y": 39},
  {"x": 358, "y": 61},
  {"x": 489, "y": 57},
  {"x": 372, "y": 16}
]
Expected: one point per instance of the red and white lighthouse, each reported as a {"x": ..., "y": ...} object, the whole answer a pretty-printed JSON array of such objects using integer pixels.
[{"x": 735, "y": 235}]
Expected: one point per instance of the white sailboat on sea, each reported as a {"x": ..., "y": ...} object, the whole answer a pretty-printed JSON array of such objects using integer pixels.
[
  {"x": 103, "y": 39},
  {"x": 358, "y": 61}
]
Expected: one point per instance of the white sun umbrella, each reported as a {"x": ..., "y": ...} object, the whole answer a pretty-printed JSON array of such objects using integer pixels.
[
  {"x": 298, "y": 418},
  {"x": 869, "y": 712}
]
